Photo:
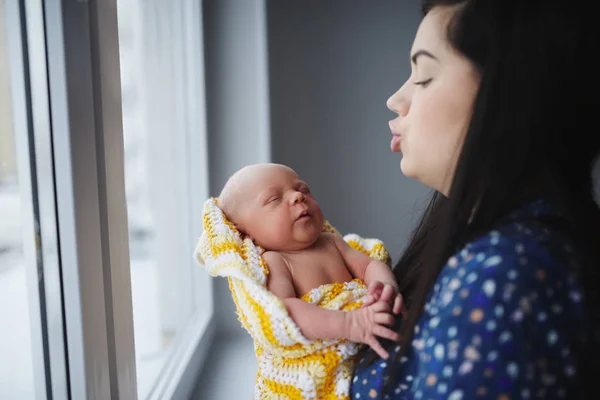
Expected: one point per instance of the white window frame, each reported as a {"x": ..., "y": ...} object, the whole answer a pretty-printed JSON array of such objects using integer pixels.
[
  {"x": 87, "y": 140},
  {"x": 27, "y": 59}
]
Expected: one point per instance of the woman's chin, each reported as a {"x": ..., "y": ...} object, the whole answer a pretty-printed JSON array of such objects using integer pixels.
[
  {"x": 410, "y": 171},
  {"x": 405, "y": 167}
]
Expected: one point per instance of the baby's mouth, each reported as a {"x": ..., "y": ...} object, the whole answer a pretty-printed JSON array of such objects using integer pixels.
[{"x": 303, "y": 215}]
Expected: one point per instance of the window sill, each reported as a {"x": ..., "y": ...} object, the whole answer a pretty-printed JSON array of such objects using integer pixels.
[{"x": 179, "y": 375}]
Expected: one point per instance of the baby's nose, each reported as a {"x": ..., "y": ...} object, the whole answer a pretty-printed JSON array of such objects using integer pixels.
[{"x": 298, "y": 197}]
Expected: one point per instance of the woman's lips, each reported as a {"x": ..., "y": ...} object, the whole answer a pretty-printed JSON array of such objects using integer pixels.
[{"x": 395, "y": 144}]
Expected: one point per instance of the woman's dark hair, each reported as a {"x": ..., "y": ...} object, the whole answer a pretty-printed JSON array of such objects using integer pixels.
[{"x": 533, "y": 133}]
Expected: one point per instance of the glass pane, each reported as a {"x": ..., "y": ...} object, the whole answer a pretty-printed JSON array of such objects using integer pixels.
[
  {"x": 156, "y": 178},
  {"x": 16, "y": 366}
]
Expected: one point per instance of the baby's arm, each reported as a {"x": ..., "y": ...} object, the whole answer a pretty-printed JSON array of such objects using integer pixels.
[
  {"x": 377, "y": 275},
  {"x": 359, "y": 326}
]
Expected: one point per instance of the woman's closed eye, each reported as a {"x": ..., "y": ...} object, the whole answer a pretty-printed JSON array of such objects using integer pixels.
[{"x": 424, "y": 83}]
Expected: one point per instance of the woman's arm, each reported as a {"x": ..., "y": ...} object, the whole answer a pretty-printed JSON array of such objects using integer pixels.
[{"x": 500, "y": 326}]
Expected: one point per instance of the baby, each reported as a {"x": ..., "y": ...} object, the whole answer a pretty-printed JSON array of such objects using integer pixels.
[{"x": 271, "y": 204}]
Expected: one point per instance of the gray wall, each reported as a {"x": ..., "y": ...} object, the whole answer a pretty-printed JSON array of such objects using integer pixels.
[
  {"x": 304, "y": 83},
  {"x": 332, "y": 66},
  {"x": 236, "y": 106}
]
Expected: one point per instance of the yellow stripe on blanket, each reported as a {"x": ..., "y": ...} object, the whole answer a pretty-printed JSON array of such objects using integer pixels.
[{"x": 290, "y": 366}]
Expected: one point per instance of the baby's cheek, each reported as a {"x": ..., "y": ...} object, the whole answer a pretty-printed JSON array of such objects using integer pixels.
[{"x": 279, "y": 229}]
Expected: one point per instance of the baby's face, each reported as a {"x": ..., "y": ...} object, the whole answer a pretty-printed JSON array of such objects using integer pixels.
[{"x": 278, "y": 210}]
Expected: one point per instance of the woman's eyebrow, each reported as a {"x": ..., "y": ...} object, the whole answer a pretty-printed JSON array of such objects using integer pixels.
[{"x": 419, "y": 53}]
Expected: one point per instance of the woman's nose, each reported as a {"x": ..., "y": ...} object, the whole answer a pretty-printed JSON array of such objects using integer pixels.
[{"x": 398, "y": 103}]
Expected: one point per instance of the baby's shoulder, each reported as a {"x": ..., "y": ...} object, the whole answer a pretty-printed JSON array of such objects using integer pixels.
[{"x": 273, "y": 257}]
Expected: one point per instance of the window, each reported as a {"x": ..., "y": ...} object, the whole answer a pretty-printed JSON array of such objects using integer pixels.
[
  {"x": 33, "y": 363},
  {"x": 101, "y": 190},
  {"x": 16, "y": 363},
  {"x": 163, "y": 133}
]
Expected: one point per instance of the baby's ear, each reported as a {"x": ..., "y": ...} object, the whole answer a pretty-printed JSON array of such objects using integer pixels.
[
  {"x": 240, "y": 231},
  {"x": 243, "y": 233}
]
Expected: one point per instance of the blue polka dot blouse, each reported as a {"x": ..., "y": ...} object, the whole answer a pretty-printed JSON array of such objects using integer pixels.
[{"x": 502, "y": 322}]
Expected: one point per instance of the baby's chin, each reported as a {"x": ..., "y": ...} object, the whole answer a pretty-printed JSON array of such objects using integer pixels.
[
  {"x": 307, "y": 240},
  {"x": 296, "y": 243}
]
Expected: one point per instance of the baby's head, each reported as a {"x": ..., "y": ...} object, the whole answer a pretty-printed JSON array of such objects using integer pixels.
[{"x": 273, "y": 206}]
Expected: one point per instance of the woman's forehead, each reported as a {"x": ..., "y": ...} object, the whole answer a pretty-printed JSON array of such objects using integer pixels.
[{"x": 431, "y": 35}]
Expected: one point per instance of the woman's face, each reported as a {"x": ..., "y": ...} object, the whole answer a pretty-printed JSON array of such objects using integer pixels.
[{"x": 434, "y": 105}]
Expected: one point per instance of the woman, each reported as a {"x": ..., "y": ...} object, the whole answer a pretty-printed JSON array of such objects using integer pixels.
[{"x": 500, "y": 278}]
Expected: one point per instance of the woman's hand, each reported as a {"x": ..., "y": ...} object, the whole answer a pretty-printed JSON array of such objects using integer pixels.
[{"x": 365, "y": 324}]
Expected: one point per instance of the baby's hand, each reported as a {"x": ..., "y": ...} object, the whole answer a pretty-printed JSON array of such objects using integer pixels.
[
  {"x": 365, "y": 323},
  {"x": 385, "y": 292}
]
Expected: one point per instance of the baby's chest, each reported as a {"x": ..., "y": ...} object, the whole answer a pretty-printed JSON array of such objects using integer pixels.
[{"x": 318, "y": 267}]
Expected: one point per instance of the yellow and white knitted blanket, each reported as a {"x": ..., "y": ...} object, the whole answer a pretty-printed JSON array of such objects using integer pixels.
[{"x": 290, "y": 366}]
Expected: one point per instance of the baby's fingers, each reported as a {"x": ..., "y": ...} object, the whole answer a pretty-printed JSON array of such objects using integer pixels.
[
  {"x": 375, "y": 286},
  {"x": 382, "y": 307},
  {"x": 387, "y": 294},
  {"x": 370, "y": 300}
]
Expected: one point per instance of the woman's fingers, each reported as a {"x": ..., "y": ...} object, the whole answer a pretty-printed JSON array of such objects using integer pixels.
[
  {"x": 385, "y": 319},
  {"x": 386, "y": 333},
  {"x": 397, "y": 304},
  {"x": 377, "y": 347}
]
